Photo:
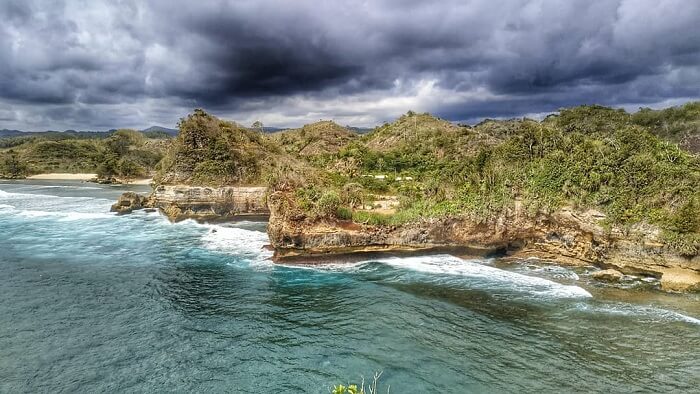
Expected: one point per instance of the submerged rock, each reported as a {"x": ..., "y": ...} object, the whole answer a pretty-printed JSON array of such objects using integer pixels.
[
  {"x": 609, "y": 275},
  {"x": 128, "y": 202}
]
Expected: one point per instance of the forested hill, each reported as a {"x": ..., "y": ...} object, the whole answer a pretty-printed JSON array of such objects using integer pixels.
[
  {"x": 638, "y": 168},
  {"x": 120, "y": 153}
]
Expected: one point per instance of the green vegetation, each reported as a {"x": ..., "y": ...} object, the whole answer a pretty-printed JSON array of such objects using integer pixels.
[
  {"x": 373, "y": 387},
  {"x": 632, "y": 167},
  {"x": 636, "y": 168},
  {"x": 11, "y": 166},
  {"x": 124, "y": 154},
  {"x": 210, "y": 151},
  {"x": 316, "y": 143}
]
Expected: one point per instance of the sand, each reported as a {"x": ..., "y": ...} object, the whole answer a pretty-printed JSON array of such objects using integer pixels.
[
  {"x": 57, "y": 176},
  {"x": 145, "y": 181},
  {"x": 64, "y": 177}
]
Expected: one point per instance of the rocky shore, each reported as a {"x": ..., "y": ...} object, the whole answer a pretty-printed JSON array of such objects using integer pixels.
[
  {"x": 565, "y": 236},
  {"x": 180, "y": 202}
]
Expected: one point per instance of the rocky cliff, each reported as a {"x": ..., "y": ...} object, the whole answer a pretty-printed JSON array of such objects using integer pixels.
[
  {"x": 180, "y": 202},
  {"x": 565, "y": 236}
]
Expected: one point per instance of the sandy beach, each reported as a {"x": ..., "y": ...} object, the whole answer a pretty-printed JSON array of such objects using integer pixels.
[
  {"x": 144, "y": 181},
  {"x": 63, "y": 177},
  {"x": 57, "y": 176}
]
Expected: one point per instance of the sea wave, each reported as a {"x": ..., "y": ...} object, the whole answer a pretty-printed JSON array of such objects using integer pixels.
[
  {"x": 554, "y": 271},
  {"x": 643, "y": 312},
  {"x": 249, "y": 244},
  {"x": 4, "y": 195},
  {"x": 476, "y": 274},
  {"x": 8, "y": 195},
  {"x": 65, "y": 216},
  {"x": 485, "y": 276},
  {"x": 68, "y": 187}
]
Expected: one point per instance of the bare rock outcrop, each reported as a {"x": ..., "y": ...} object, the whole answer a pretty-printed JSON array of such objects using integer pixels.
[
  {"x": 181, "y": 202},
  {"x": 128, "y": 202}
]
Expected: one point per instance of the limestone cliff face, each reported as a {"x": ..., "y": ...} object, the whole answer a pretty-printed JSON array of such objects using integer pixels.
[
  {"x": 181, "y": 202},
  {"x": 565, "y": 236}
]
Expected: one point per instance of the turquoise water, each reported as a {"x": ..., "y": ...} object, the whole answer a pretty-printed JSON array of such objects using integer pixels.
[{"x": 93, "y": 302}]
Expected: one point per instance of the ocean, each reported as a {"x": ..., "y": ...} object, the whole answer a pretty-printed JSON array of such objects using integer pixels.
[{"x": 94, "y": 302}]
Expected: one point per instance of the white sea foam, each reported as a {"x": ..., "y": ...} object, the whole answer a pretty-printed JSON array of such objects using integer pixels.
[
  {"x": 553, "y": 271},
  {"x": 48, "y": 206},
  {"x": 639, "y": 311},
  {"x": 68, "y": 187},
  {"x": 4, "y": 195},
  {"x": 10, "y": 196},
  {"x": 239, "y": 241},
  {"x": 65, "y": 216},
  {"x": 485, "y": 276},
  {"x": 476, "y": 274}
]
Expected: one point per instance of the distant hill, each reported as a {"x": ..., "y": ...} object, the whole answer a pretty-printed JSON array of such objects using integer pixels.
[
  {"x": 359, "y": 130},
  {"x": 10, "y": 133},
  {"x": 151, "y": 132},
  {"x": 160, "y": 129},
  {"x": 271, "y": 130},
  {"x": 5, "y": 133}
]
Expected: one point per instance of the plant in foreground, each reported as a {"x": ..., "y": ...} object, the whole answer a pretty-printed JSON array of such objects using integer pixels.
[{"x": 354, "y": 389}]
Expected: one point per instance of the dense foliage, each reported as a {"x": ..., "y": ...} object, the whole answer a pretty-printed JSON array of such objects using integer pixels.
[
  {"x": 639, "y": 168},
  {"x": 586, "y": 157},
  {"x": 211, "y": 151},
  {"x": 123, "y": 153},
  {"x": 320, "y": 138}
]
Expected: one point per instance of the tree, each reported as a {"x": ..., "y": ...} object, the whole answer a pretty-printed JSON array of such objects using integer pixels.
[
  {"x": 12, "y": 167},
  {"x": 128, "y": 169},
  {"x": 108, "y": 167},
  {"x": 258, "y": 125}
]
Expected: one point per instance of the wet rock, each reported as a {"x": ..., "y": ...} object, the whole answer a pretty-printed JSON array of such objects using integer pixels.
[
  {"x": 609, "y": 275},
  {"x": 680, "y": 280},
  {"x": 105, "y": 181},
  {"x": 128, "y": 202}
]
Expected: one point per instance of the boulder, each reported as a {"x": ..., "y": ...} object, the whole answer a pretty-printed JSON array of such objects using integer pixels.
[
  {"x": 128, "y": 202},
  {"x": 680, "y": 280},
  {"x": 609, "y": 275}
]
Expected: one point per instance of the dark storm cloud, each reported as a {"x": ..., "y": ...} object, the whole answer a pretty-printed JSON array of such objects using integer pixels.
[{"x": 96, "y": 64}]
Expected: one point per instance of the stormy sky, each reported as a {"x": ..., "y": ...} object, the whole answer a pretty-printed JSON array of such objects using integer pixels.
[{"x": 104, "y": 64}]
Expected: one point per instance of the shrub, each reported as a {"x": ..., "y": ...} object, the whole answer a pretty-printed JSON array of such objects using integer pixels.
[
  {"x": 343, "y": 213},
  {"x": 12, "y": 167},
  {"x": 328, "y": 204},
  {"x": 373, "y": 387}
]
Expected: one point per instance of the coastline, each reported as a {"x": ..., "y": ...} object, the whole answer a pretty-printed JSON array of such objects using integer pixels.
[
  {"x": 64, "y": 176},
  {"x": 60, "y": 176}
]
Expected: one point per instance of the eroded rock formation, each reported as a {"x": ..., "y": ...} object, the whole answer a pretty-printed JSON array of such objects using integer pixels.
[
  {"x": 565, "y": 236},
  {"x": 128, "y": 202},
  {"x": 179, "y": 202}
]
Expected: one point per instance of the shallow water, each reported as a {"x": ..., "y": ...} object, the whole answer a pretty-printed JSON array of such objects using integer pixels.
[{"x": 94, "y": 302}]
